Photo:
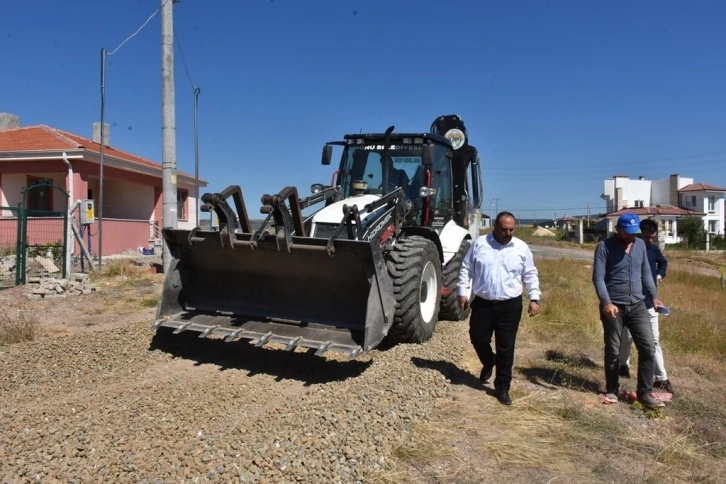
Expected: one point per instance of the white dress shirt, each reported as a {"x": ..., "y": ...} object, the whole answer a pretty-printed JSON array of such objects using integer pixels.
[{"x": 497, "y": 271}]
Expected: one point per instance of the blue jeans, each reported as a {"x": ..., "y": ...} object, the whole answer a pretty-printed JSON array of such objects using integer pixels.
[{"x": 635, "y": 317}]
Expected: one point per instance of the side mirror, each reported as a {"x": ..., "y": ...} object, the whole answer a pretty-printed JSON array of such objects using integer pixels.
[
  {"x": 327, "y": 154},
  {"x": 429, "y": 152},
  {"x": 317, "y": 188}
]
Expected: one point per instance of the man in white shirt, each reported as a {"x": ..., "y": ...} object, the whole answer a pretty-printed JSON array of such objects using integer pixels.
[{"x": 496, "y": 265}]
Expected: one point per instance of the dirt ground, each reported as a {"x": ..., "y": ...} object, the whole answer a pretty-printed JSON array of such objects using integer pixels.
[
  {"x": 556, "y": 431},
  {"x": 95, "y": 396},
  {"x": 121, "y": 299}
]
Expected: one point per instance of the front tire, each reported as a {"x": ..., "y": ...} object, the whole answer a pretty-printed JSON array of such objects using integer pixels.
[
  {"x": 450, "y": 310},
  {"x": 415, "y": 268}
]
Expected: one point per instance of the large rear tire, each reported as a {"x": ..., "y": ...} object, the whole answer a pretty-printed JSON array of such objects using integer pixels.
[
  {"x": 450, "y": 310},
  {"x": 415, "y": 268}
]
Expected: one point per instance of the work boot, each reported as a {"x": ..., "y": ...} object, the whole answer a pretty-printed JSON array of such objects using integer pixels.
[
  {"x": 502, "y": 395},
  {"x": 650, "y": 401},
  {"x": 664, "y": 385},
  {"x": 486, "y": 374},
  {"x": 625, "y": 371}
]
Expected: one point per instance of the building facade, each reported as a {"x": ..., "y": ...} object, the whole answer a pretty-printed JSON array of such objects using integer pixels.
[
  {"x": 666, "y": 201},
  {"x": 132, "y": 186}
]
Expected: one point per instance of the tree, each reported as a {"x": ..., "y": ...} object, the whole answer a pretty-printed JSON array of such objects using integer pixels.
[{"x": 691, "y": 228}]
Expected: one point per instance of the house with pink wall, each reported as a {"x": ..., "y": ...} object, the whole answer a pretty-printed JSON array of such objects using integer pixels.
[{"x": 132, "y": 185}]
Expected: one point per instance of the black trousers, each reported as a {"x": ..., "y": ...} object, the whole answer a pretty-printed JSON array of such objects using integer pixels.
[{"x": 500, "y": 318}]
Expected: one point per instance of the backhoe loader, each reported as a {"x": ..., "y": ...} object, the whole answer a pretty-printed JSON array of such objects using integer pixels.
[{"x": 379, "y": 259}]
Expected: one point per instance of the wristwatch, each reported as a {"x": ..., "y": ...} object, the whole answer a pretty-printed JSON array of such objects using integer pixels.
[{"x": 536, "y": 301}]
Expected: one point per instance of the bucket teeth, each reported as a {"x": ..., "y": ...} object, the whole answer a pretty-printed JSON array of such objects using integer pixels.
[
  {"x": 262, "y": 333},
  {"x": 208, "y": 331},
  {"x": 293, "y": 343},
  {"x": 322, "y": 348},
  {"x": 181, "y": 328},
  {"x": 263, "y": 339},
  {"x": 233, "y": 336}
]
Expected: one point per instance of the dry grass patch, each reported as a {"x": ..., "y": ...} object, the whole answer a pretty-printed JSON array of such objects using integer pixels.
[
  {"x": 526, "y": 233},
  {"x": 557, "y": 428},
  {"x": 18, "y": 322},
  {"x": 127, "y": 286},
  {"x": 124, "y": 273}
]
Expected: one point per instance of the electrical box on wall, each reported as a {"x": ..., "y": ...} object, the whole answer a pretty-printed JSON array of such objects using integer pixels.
[{"x": 87, "y": 212}]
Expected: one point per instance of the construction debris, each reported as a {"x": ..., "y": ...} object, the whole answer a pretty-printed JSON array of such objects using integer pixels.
[{"x": 50, "y": 287}]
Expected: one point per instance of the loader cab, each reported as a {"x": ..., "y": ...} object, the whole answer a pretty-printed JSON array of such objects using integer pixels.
[{"x": 363, "y": 159}]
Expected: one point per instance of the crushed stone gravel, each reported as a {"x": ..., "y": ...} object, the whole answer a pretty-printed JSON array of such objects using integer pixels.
[{"x": 114, "y": 406}]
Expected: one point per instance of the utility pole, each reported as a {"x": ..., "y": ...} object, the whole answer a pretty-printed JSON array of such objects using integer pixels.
[
  {"x": 494, "y": 202},
  {"x": 168, "y": 124},
  {"x": 588, "y": 215}
]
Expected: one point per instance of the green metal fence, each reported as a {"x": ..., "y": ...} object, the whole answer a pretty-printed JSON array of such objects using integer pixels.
[
  {"x": 9, "y": 250},
  {"x": 33, "y": 235},
  {"x": 43, "y": 232}
]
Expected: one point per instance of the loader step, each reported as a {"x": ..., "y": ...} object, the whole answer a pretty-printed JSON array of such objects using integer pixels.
[{"x": 292, "y": 334}]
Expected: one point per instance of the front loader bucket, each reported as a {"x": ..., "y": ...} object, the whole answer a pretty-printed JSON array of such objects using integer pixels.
[{"x": 227, "y": 285}]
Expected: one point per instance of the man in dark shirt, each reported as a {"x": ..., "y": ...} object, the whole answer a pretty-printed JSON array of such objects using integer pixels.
[
  {"x": 658, "y": 266},
  {"x": 621, "y": 276}
]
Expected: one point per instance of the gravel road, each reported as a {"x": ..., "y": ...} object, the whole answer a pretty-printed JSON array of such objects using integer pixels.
[
  {"x": 545, "y": 252},
  {"x": 110, "y": 405}
]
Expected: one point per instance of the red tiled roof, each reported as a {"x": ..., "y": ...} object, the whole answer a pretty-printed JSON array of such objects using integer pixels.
[
  {"x": 697, "y": 187},
  {"x": 662, "y": 210},
  {"x": 45, "y": 138}
]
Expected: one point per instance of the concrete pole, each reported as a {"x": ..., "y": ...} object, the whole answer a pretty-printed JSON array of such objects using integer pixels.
[
  {"x": 588, "y": 215},
  {"x": 582, "y": 235},
  {"x": 168, "y": 125},
  {"x": 196, "y": 158}
]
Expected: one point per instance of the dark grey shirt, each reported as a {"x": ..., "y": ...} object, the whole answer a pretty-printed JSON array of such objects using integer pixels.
[{"x": 621, "y": 278}]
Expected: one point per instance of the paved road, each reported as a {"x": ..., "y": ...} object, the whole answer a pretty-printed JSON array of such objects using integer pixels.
[{"x": 545, "y": 252}]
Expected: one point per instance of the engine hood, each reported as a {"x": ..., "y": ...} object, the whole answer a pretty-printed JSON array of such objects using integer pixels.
[{"x": 333, "y": 213}]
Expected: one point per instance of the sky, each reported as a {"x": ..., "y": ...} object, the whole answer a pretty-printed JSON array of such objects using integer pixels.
[{"x": 556, "y": 95}]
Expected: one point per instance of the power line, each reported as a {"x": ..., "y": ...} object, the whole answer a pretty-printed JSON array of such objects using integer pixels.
[
  {"x": 196, "y": 91},
  {"x": 535, "y": 178},
  {"x": 138, "y": 30},
  {"x": 102, "y": 140},
  {"x": 184, "y": 61},
  {"x": 558, "y": 209},
  {"x": 585, "y": 170},
  {"x": 624, "y": 164}
]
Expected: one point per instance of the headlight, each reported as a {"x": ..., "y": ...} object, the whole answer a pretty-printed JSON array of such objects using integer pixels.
[{"x": 427, "y": 191}]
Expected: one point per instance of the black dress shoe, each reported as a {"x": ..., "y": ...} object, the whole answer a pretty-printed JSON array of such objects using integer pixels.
[
  {"x": 503, "y": 396},
  {"x": 486, "y": 374}
]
